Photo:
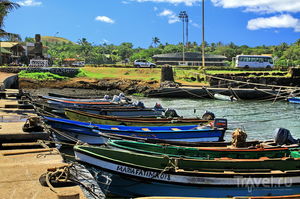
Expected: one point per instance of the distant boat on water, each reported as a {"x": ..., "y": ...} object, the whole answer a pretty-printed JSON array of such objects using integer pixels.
[{"x": 224, "y": 97}]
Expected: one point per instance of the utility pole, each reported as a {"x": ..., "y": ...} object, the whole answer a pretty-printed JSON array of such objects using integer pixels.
[
  {"x": 187, "y": 30},
  {"x": 184, "y": 17},
  {"x": 203, "y": 40}
]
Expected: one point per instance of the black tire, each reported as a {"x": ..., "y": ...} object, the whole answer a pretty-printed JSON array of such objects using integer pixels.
[
  {"x": 268, "y": 67},
  {"x": 246, "y": 67},
  {"x": 152, "y": 66}
]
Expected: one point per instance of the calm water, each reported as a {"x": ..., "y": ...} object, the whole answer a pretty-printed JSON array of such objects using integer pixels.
[{"x": 258, "y": 118}]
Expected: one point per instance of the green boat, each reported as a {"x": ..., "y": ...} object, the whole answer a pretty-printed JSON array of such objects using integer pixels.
[
  {"x": 131, "y": 121},
  {"x": 204, "y": 153},
  {"x": 134, "y": 174},
  {"x": 222, "y": 164}
]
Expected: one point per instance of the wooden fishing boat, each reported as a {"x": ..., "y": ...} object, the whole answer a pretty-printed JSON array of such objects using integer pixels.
[
  {"x": 248, "y": 144},
  {"x": 84, "y": 116},
  {"x": 295, "y": 100},
  {"x": 203, "y": 152},
  {"x": 67, "y": 96},
  {"x": 224, "y": 97},
  {"x": 112, "y": 110},
  {"x": 117, "y": 99},
  {"x": 66, "y": 102},
  {"x": 189, "y": 133},
  {"x": 133, "y": 174}
]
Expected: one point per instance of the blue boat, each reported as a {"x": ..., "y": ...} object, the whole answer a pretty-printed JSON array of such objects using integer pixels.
[
  {"x": 189, "y": 133},
  {"x": 295, "y": 100}
]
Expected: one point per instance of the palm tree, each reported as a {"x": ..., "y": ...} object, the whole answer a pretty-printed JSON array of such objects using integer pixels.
[
  {"x": 5, "y": 7},
  {"x": 283, "y": 46},
  {"x": 297, "y": 42},
  {"x": 155, "y": 41}
]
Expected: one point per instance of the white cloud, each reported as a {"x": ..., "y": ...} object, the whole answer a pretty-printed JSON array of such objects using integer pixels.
[
  {"x": 281, "y": 21},
  {"x": 172, "y": 17},
  {"x": 262, "y": 6},
  {"x": 175, "y": 2},
  {"x": 125, "y": 2},
  {"x": 166, "y": 12},
  {"x": 195, "y": 25},
  {"x": 155, "y": 8},
  {"x": 29, "y": 3},
  {"x": 104, "y": 19}
]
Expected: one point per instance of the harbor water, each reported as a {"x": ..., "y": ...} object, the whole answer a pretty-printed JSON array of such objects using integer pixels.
[{"x": 258, "y": 118}]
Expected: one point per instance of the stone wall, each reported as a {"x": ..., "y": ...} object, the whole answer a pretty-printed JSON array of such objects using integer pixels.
[
  {"x": 68, "y": 72},
  {"x": 281, "y": 81}
]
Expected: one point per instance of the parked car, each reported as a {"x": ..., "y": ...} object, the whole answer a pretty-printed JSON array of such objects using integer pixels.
[
  {"x": 78, "y": 64},
  {"x": 143, "y": 63}
]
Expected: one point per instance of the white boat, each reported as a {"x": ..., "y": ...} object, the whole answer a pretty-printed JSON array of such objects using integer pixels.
[{"x": 224, "y": 97}]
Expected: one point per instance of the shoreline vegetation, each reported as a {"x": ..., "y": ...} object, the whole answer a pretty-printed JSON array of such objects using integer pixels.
[{"x": 137, "y": 81}]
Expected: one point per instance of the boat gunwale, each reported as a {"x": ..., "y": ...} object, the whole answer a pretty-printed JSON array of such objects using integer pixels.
[{"x": 185, "y": 172}]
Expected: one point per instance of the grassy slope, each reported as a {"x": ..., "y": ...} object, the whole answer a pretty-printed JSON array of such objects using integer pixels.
[{"x": 55, "y": 39}]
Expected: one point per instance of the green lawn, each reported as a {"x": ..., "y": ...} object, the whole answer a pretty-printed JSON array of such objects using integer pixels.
[{"x": 126, "y": 73}]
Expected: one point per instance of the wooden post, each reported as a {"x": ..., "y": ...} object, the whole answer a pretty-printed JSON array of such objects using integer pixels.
[
  {"x": 167, "y": 73},
  {"x": 295, "y": 72}
]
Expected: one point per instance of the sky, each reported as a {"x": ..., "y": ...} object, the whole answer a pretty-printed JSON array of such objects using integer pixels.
[{"x": 244, "y": 22}]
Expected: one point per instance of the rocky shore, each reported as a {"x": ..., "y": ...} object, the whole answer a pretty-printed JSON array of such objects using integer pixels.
[{"x": 88, "y": 87}]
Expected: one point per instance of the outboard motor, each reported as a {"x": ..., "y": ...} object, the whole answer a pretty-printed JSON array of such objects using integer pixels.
[
  {"x": 171, "y": 113},
  {"x": 220, "y": 123},
  {"x": 208, "y": 115},
  {"x": 157, "y": 106},
  {"x": 122, "y": 96},
  {"x": 106, "y": 97},
  {"x": 139, "y": 104},
  {"x": 116, "y": 98},
  {"x": 283, "y": 136}
]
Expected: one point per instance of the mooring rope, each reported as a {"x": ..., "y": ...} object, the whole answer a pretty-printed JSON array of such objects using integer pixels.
[{"x": 250, "y": 83}]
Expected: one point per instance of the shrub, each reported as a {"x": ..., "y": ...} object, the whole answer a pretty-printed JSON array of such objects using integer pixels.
[{"x": 41, "y": 76}]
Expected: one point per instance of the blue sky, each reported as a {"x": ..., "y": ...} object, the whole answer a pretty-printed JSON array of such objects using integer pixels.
[{"x": 249, "y": 22}]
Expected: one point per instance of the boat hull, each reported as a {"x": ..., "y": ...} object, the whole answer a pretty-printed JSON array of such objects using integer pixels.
[
  {"x": 186, "y": 134},
  {"x": 72, "y": 137},
  {"x": 100, "y": 119},
  {"x": 294, "y": 100},
  {"x": 134, "y": 181}
]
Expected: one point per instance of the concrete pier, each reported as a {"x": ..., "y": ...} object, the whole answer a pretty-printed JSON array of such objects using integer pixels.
[{"x": 20, "y": 168}]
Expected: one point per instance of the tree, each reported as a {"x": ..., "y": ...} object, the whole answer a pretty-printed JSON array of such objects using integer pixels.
[
  {"x": 297, "y": 43},
  {"x": 125, "y": 50},
  {"x": 29, "y": 39},
  {"x": 5, "y": 8},
  {"x": 155, "y": 41}
]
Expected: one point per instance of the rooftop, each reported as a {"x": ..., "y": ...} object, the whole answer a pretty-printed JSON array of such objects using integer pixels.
[
  {"x": 8, "y": 44},
  {"x": 194, "y": 55}
]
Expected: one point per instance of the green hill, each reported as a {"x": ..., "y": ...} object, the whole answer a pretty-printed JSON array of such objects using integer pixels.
[{"x": 55, "y": 39}]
